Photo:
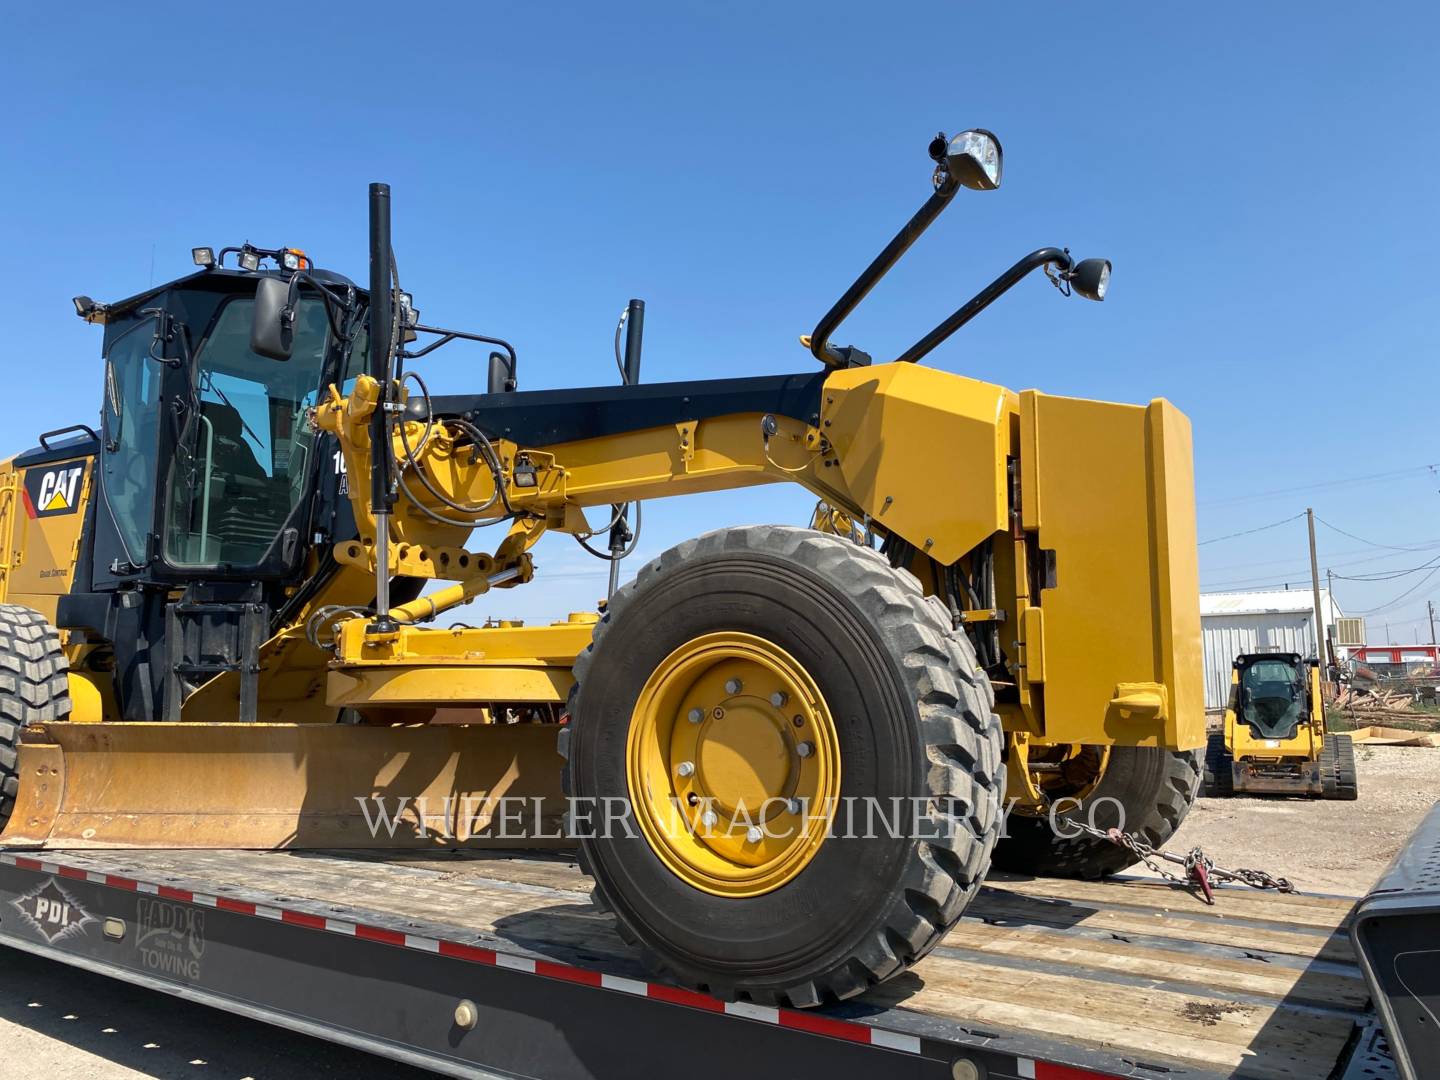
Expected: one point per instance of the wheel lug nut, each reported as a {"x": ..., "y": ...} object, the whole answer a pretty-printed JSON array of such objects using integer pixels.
[
  {"x": 686, "y": 768},
  {"x": 696, "y": 715},
  {"x": 779, "y": 698},
  {"x": 805, "y": 749},
  {"x": 733, "y": 686},
  {"x": 709, "y": 819},
  {"x": 793, "y": 805},
  {"x": 753, "y": 834}
]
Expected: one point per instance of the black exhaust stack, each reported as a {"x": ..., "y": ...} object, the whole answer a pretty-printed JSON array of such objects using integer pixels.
[{"x": 382, "y": 348}]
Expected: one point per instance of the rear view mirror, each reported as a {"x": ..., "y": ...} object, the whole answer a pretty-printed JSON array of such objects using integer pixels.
[{"x": 273, "y": 330}]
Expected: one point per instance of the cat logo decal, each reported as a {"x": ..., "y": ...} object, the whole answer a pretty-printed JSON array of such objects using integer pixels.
[{"x": 53, "y": 489}]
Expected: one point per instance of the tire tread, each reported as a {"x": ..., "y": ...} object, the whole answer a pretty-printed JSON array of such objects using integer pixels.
[{"x": 962, "y": 743}]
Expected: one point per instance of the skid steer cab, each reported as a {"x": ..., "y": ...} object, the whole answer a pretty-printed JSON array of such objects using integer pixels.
[
  {"x": 783, "y": 754},
  {"x": 1274, "y": 741}
]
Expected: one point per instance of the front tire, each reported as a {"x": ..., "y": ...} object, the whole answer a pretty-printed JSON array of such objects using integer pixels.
[
  {"x": 34, "y": 687},
  {"x": 1144, "y": 790},
  {"x": 912, "y": 722}
]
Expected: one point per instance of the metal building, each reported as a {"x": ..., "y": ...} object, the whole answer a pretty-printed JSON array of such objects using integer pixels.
[{"x": 1247, "y": 622}]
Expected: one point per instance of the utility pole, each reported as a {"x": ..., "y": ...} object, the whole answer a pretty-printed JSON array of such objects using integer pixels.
[
  {"x": 1315, "y": 586},
  {"x": 1329, "y": 637},
  {"x": 1430, "y": 606}
]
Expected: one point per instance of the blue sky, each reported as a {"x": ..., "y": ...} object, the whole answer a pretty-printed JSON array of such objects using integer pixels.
[{"x": 1262, "y": 176}]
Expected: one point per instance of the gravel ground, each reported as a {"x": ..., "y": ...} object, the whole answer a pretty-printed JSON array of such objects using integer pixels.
[
  {"x": 1322, "y": 846},
  {"x": 63, "y": 1024}
]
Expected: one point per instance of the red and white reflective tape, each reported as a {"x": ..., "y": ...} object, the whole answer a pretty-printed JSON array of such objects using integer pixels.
[
  {"x": 795, "y": 1019},
  {"x": 1046, "y": 1070}
]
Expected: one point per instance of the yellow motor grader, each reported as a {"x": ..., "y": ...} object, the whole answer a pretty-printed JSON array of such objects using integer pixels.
[{"x": 784, "y": 756}]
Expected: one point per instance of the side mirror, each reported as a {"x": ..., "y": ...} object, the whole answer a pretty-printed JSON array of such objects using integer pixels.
[
  {"x": 502, "y": 374},
  {"x": 272, "y": 331}
]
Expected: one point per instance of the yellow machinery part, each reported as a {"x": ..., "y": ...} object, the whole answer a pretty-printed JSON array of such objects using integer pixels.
[
  {"x": 733, "y": 763},
  {"x": 1107, "y": 489},
  {"x": 461, "y": 665},
  {"x": 88, "y": 704},
  {"x": 42, "y": 508},
  {"x": 264, "y": 786}
]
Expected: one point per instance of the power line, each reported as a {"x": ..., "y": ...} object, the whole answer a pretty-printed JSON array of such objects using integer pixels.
[
  {"x": 1389, "y": 547},
  {"x": 1395, "y": 602},
  {"x": 1289, "y": 561},
  {"x": 1325, "y": 484},
  {"x": 1389, "y": 575},
  {"x": 1247, "y": 532}
]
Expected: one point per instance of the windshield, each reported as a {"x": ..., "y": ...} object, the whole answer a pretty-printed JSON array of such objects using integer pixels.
[
  {"x": 248, "y": 453},
  {"x": 1272, "y": 696}
]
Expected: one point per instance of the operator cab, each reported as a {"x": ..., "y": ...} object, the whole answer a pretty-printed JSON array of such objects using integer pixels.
[
  {"x": 1271, "y": 693},
  {"x": 208, "y": 465}
]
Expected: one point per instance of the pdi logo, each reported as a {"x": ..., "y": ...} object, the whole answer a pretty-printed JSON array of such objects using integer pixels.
[
  {"x": 52, "y": 912},
  {"x": 53, "y": 490}
]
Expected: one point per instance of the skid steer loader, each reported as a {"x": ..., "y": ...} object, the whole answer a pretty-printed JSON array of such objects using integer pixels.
[
  {"x": 783, "y": 755},
  {"x": 1274, "y": 740}
]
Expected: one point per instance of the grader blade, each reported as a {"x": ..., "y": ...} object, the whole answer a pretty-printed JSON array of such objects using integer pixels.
[{"x": 266, "y": 786}]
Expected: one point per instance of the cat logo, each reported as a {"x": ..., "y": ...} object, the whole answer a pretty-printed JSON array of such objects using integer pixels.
[{"x": 53, "y": 489}]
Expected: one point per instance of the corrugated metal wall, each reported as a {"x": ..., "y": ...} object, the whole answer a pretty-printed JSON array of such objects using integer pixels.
[{"x": 1227, "y": 636}]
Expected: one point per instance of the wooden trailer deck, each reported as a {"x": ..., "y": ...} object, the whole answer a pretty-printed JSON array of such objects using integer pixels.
[{"x": 1261, "y": 985}]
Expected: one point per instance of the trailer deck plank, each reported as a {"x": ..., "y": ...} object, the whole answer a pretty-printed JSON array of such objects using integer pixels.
[
  {"x": 1290, "y": 909},
  {"x": 1296, "y": 983},
  {"x": 1009, "y": 909},
  {"x": 1260, "y": 986}
]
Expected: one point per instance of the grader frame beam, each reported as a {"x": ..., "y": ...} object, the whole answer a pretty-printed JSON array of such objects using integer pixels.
[{"x": 944, "y": 462}]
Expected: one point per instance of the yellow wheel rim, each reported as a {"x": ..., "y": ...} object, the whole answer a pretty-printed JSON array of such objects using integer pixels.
[
  {"x": 1068, "y": 772},
  {"x": 733, "y": 764}
]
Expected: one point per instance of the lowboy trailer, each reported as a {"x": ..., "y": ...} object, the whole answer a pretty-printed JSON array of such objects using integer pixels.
[{"x": 495, "y": 964}]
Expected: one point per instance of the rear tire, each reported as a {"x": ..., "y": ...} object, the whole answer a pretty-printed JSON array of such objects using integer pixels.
[
  {"x": 34, "y": 687},
  {"x": 1337, "y": 768},
  {"x": 1145, "y": 791},
  {"x": 1219, "y": 768},
  {"x": 913, "y": 717}
]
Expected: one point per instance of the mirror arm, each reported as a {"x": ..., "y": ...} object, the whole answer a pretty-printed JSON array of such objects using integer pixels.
[
  {"x": 331, "y": 299},
  {"x": 447, "y": 336},
  {"x": 820, "y": 346},
  {"x": 1057, "y": 257}
]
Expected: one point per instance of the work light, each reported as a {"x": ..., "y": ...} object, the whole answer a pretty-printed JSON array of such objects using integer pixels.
[
  {"x": 249, "y": 260},
  {"x": 1090, "y": 278},
  {"x": 202, "y": 256},
  {"x": 974, "y": 160}
]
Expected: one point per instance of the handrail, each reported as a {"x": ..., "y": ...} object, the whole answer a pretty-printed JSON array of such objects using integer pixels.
[{"x": 86, "y": 428}]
